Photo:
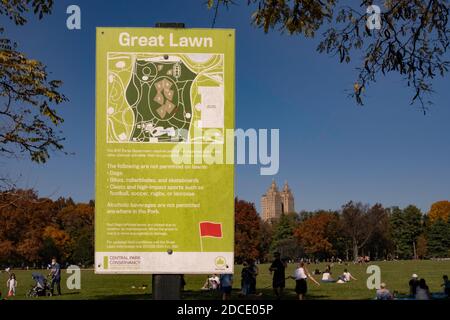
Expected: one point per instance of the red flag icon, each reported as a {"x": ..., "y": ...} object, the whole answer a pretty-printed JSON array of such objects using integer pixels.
[{"x": 210, "y": 229}]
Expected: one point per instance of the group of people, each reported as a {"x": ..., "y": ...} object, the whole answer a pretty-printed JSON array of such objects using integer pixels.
[
  {"x": 223, "y": 282},
  {"x": 55, "y": 275},
  {"x": 418, "y": 289},
  {"x": 301, "y": 275},
  {"x": 344, "y": 278},
  {"x": 278, "y": 267}
]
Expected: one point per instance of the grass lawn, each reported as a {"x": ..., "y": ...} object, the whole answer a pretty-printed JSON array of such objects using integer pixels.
[{"x": 395, "y": 274}]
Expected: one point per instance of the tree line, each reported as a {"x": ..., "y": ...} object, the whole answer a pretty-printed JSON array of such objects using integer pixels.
[
  {"x": 34, "y": 229},
  {"x": 356, "y": 230}
]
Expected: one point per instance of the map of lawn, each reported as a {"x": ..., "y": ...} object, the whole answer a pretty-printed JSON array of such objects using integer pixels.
[{"x": 151, "y": 97}]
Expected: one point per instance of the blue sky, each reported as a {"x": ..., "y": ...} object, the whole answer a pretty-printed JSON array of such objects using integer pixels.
[{"x": 331, "y": 150}]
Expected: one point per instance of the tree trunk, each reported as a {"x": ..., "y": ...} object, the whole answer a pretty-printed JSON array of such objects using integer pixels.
[{"x": 355, "y": 251}]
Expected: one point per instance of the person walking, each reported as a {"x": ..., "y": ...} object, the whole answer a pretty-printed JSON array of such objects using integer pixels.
[
  {"x": 55, "y": 273},
  {"x": 278, "y": 268},
  {"x": 301, "y": 275}
]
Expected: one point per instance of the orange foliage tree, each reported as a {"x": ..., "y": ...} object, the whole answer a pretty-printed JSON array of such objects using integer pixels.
[
  {"x": 60, "y": 239},
  {"x": 33, "y": 229},
  {"x": 439, "y": 210},
  {"x": 314, "y": 234},
  {"x": 247, "y": 231}
]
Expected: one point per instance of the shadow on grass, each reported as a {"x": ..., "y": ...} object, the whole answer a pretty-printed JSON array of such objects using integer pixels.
[
  {"x": 263, "y": 295},
  {"x": 138, "y": 296},
  {"x": 69, "y": 293}
]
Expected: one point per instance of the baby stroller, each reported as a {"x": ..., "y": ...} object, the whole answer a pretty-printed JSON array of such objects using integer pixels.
[{"x": 41, "y": 287}]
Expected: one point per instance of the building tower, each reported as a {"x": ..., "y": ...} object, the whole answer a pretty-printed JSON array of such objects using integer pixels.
[
  {"x": 287, "y": 199},
  {"x": 271, "y": 204}
]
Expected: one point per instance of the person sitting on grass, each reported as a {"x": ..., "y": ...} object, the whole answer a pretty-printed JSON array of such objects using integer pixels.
[
  {"x": 383, "y": 293},
  {"x": 347, "y": 276},
  {"x": 326, "y": 276},
  {"x": 446, "y": 286},
  {"x": 211, "y": 283}
]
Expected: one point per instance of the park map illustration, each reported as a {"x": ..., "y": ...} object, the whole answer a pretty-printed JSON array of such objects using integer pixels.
[{"x": 157, "y": 98}]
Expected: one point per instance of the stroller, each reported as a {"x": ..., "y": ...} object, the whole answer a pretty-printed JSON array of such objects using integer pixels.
[{"x": 41, "y": 287}]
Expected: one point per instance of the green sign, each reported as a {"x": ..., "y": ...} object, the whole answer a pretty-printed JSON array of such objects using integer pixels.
[{"x": 164, "y": 141}]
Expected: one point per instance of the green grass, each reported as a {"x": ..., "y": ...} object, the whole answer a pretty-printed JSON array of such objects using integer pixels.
[{"x": 395, "y": 274}]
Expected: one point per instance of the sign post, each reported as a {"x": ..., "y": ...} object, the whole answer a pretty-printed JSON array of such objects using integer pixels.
[
  {"x": 166, "y": 287},
  {"x": 164, "y": 152}
]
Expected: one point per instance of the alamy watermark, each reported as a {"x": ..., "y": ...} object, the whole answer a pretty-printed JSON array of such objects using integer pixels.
[
  {"x": 374, "y": 280},
  {"x": 374, "y": 18},
  {"x": 207, "y": 148},
  {"x": 73, "y": 21},
  {"x": 73, "y": 282}
]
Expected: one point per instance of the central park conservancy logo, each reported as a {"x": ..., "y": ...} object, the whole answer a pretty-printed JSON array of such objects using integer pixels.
[
  {"x": 122, "y": 261},
  {"x": 220, "y": 262}
]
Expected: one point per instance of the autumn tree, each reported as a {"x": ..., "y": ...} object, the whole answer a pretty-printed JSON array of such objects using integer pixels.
[
  {"x": 16, "y": 10},
  {"x": 7, "y": 249},
  {"x": 247, "y": 227},
  {"x": 304, "y": 215},
  {"x": 265, "y": 240},
  {"x": 411, "y": 39},
  {"x": 21, "y": 224},
  {"x": 59, "y": 240},
  {"x": 78, "y": 221},
  {"x": 422, "y": 247},
  {"x": 315, "y": 234},
  {"x": 27, "y": 96},
  {"x": 380, "y": 245},
  {"x": 439, "y": 210},
  {"x": 34, "y": 229},
  {"x": 359, "y": 223}
]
